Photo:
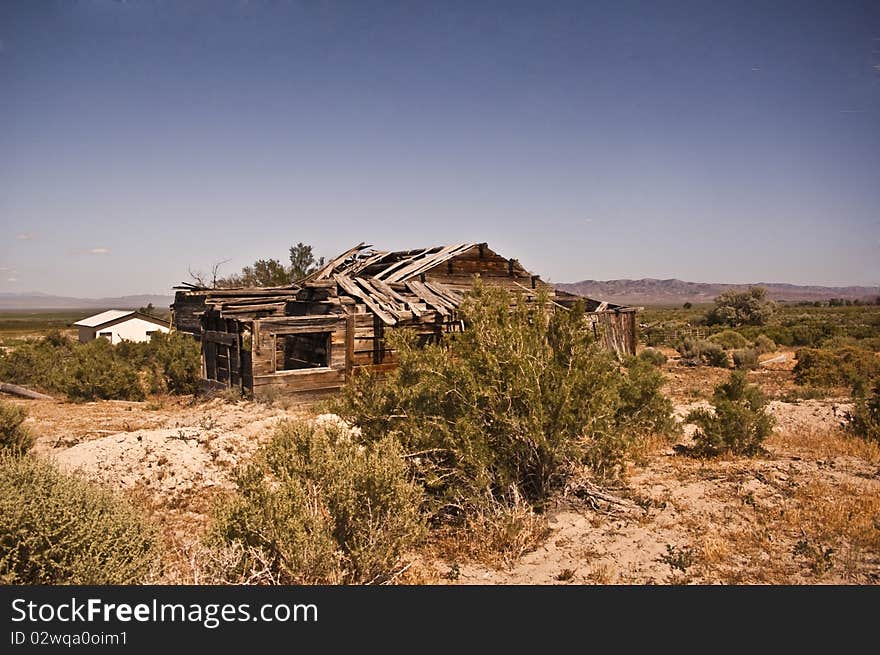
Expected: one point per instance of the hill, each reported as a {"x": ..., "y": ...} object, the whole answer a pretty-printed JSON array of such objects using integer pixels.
[
  {"x": 12, "y": 301},
  {"x": 649, "y": 291}
]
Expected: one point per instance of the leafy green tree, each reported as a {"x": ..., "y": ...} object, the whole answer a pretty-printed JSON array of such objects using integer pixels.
[
  {"x": 274, "y": 273},
  {"x": 737, "y": 308}
]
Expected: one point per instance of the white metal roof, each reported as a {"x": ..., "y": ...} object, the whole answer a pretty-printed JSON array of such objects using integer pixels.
[{"x": 104, "y": 317}]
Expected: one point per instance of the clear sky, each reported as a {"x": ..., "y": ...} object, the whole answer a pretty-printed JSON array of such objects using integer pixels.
[{"x": 709, "y": 141}]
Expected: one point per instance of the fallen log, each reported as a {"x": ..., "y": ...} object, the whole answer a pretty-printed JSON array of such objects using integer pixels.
[
  {"x": 593, "y": 495},
  {"x": 16, "y": 390}
]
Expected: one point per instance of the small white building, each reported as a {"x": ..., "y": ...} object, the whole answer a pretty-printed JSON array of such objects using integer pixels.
[{"x": 117, "y": 325}]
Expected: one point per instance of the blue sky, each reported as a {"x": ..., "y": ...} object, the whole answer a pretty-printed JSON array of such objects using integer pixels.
[{"x": 708, "y": 141}]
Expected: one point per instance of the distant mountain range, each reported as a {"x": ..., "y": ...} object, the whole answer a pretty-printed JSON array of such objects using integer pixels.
[
  {"x": 649, "y": 291},
  {"x": 45, "y": 301}
]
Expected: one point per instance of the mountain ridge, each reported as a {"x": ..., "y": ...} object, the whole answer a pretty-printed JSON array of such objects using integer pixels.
[
  {"x": 37, "y": 300},
  {"x": 653, "y": 291}
]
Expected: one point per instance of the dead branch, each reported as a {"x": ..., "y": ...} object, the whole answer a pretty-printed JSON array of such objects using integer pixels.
[
  {"x": 594, "y": 496},
  {"x": 16, "y": 390}
]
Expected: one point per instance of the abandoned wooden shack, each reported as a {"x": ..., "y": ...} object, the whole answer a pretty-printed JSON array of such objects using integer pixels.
[{"x": 308, "y": 338}]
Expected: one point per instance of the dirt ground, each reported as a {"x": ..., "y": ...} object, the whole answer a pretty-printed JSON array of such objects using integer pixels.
[{"x": 805, "y": 512}]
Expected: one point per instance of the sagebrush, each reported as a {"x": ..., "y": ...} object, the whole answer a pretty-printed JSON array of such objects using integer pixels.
[
  {"x": 56, "y": 528},
  {"x": 506, "y": 402},
  {"x": 840, "y": 367},
  {"x": 316, "y": 506},
  {"x": 14, "y": 435},
  {"x": 696, "y": 352},
  {"x": 99, "y": 370},
  {"x": 738, "y": 423},
  {"x": 864, "y": 419}
]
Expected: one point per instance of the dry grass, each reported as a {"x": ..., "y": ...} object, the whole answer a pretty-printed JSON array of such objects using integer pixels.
[
  {"x": 497, "y": 536},
  {"x": 824, "y": 444},
  {"x": 602, "y": 573},
  {"x": 839, "y": 526}
]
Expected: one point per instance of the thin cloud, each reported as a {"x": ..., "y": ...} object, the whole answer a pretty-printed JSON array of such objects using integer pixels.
[
  {"x": 24, "y": 236},
  {"x": 99, "y": 251}
]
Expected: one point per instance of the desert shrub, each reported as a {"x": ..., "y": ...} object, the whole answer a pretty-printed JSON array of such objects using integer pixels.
[
  {"x": 505, "y": 403},
  {"x": 728, "y": 339},
  {"x": 764, "y": 344},
  {"x": 176, "y": 360},
  {"x": 14, "y": 435},
  {"x": 39, "y": 364},
  {"x": 864, "y": 419},
  {"x": 739, "y": 422},
  {"x": 58, "y": 529},
  {"x": 316, "y": 506},
  {"x": 745, "y": 359},
  {"x": 653, "y": 356},
  {"x": 96, "y": 372},
  {"x": 846, "y": 366},
  {"x": 167, "y": 363},
  {"x": 702, "y": 351},
  {"x": 736, "y": 308}
]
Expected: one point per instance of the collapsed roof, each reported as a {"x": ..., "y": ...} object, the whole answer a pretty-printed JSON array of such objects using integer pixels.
[{"x": 391, "y": 284}]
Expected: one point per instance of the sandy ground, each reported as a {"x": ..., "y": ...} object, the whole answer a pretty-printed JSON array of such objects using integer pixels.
[
  {"x": 709, "y": 522},
  {"x": 806, "y": 511}
]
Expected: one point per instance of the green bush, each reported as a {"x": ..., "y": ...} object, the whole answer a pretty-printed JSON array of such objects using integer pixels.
[
  {"x": 507, "y": 402},
  {"x": 745, "y": 359},
  {"x": 847, "y": 366},
  {"x": 58, "y": 529},
  {"x": 171, "y": 362},
  {"x": 14, "y": 435},
  {"x": 702, "y": 351},
  {"x": 653, "y": 356},
  {"x": 315, "y": 506},
  {"x": 736, "y": 308},
  {"x": 864, "y": 419},
  {"x": 728, "y": 339},
  {"x": 39, "y": 364},
  {"x": 96, "y": 372},
  {"x": 764, "y": 344},
  {"x": 739, "y": 423}
]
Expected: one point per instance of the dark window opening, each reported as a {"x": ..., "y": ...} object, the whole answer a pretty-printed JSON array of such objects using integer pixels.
[{"x": 299, "y": 351}]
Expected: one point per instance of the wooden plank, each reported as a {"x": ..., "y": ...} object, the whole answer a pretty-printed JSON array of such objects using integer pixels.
[
  {"x": 279, "y": 306},
  {"x": 349, "y": 345},
  {"x": 397, "y": 272},
  {"x": 351, "y": 288},
  {"x": 405, "y": 261},
  {"x": 243, "y": 302},
  {"x": 428, "y": 296},
  {"x": 388, "y": 291},
  {"x": 445, "y": 293},
  {"x": 432, "y": 261},
  {"x": 357, "y": 267},
  {"x": 219, "y": 337},
  {"x": 327, "y": 270}
]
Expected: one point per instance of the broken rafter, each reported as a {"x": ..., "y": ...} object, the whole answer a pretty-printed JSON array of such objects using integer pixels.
[
  {"x": 348, "y": 285},
  {"x": 328, "y": 269}
]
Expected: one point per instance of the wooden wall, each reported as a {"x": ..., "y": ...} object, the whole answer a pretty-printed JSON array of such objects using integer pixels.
[
  {"x": 458, "y": 272},
  {"x": 356, "y": 344},
  {"x": 186, "y": 306}
]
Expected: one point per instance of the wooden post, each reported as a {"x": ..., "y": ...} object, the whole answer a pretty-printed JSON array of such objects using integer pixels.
[{"x": 349, "y": 345}]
